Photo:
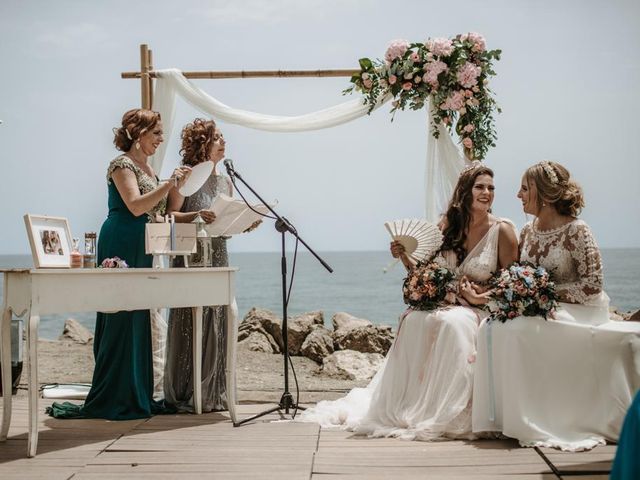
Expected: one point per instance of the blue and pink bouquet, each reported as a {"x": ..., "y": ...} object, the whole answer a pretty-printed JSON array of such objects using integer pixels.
[
  {"x": 427, "y": 285},
  {"x": 522, "y": 289}
]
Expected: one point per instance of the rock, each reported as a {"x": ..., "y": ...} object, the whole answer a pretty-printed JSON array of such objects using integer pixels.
[
  {"x": 265, "y": 323},
  {"x": 345, "y": 321},
  {"x": 367, "y": 339},
  {"x": 635, "y": 316},
  {"x": 352, "y": 365},
  {"x": 615, "y": 314},
  {"x": 257, "y": 342},
  {"x": 299, "y": 327},
  {"x": 75, "y": 332},
  {"x": 318, "y": 344}
]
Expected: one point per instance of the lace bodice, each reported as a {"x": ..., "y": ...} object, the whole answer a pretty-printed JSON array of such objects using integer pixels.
[
  {"x": 146, "y": 183},
  {"x": 570, "y": 254},
  {"x": 482, "y": 260}
]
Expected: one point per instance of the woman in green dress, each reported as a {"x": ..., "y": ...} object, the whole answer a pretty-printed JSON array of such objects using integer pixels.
[{"x": 122, "y": 385}]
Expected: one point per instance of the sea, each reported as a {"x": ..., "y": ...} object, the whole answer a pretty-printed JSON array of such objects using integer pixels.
[{"x": 358, "y": 285}]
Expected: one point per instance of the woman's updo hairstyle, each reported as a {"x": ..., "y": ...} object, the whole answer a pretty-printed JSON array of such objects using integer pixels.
[
  {"x": 555, "y": 187},
  {"x": 197, "y": 138},
  {"x": 135, "y": 122}
]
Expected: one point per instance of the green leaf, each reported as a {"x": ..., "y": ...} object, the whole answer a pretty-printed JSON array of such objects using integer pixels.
[{"x": 365, "y": 64}]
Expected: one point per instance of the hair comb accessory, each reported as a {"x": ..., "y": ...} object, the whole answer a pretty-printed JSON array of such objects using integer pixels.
[
  {"x": 550, "y": 172},
  {"x": 471, "y": 166},
  {"x": 128, "y": 134}
]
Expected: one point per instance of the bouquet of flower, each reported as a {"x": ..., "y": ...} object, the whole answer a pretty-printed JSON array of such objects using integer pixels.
[
  {"x": 453, "y": 72},
  {"x": 522, "y": 289},
  {"x": 115, "y": 262},
  {"x": 427, "y": 286}
]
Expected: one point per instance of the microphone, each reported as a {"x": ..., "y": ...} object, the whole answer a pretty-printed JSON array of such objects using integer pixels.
[{"x": 228, "y": 163}]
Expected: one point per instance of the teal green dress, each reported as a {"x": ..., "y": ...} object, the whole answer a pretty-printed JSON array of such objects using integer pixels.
[
  {"x": 122, "y": 385},
  {"x": 627, "y": 461}
]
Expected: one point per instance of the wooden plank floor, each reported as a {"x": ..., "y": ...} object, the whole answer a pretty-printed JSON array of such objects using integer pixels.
[{"x": 209, "y": 447}]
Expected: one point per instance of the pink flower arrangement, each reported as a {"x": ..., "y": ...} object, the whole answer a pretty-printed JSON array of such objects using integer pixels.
[
  {"x": 115, "y": 262},
  {"x": 427, "y": 286},
  {"x": 396, "y": 49},
  {"x": 452, "y": 74}
]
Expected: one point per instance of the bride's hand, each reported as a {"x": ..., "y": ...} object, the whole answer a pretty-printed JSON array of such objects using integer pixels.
[
  {"x": 397, "y": 249},
  {"x": 468, "y": 292}
]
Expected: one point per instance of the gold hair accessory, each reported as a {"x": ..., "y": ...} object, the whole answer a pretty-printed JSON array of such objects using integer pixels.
[
  {"x": 550, "y": 172},
  {"x": 128, "y": 134},
  {"x": 471, "y": 166}
]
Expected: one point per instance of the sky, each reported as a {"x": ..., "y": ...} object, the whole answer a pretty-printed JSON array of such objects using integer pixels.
[{"x": 567, "y": 84}]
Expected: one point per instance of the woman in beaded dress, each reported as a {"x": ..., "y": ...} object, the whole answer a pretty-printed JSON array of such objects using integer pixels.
[
  {"x": 201, "y": 142},
  {"x": 566, "y": 382},
  {"x": 122, "y": 385},
  {"x": 423, "y": 391}
]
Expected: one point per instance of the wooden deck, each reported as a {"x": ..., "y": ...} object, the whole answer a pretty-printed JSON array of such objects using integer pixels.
[{"x": 209, "y": 447}]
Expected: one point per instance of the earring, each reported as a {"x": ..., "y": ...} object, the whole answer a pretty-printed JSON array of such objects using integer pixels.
[
  {"x": 137, "y": 145},
  {"x": 544, "y": 204}
]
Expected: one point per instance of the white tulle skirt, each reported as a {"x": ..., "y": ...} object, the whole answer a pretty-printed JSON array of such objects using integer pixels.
[
  {"x": 564, "y": 383},
  {"x": 423, "y": 390}
]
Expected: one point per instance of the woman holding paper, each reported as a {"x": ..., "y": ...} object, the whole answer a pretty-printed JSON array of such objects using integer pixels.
[{"x": 201, "y": 142}]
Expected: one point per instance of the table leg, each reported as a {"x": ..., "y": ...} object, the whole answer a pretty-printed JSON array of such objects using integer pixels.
[
  {"x": 230, "y": 364},
  {"x": 32, "y": 359},
  {"x": 197, "y": 359},
  {"x": 5, "y": 358}
]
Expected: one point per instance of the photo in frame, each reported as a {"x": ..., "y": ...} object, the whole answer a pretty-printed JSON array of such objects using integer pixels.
[{"x": 50, "y": 241}]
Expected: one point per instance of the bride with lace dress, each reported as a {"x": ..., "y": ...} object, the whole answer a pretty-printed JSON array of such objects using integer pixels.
[
  {"x": 567, "y": 382},
  {"x": 423, "y": 390}
]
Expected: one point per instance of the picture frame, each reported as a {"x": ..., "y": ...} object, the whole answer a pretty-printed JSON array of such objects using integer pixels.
[{"x": 50, "y": 241}]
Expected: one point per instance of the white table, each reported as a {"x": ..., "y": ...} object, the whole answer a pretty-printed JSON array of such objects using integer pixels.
[{"x": 31, "y": 293}]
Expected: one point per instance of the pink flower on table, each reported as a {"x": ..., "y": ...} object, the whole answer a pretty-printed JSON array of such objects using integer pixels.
[
  {"x": 397, "y": 48},
  {"x": 406, "y": 86},
  {"x": 479, "y": 44},
  {"x": 467, "y": 142},
  {"x": 433, "y": 69},
  {"x": 468, "y": 75},
  {"x": 468, "y": 128},
  {"x": 441, "y": 47},
  {"x": 392, "y": 79},
  {"x": 455, "y": 101}
]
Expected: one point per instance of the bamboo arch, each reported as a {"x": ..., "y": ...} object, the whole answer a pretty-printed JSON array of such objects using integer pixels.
[{"x": 147, "y": 74}]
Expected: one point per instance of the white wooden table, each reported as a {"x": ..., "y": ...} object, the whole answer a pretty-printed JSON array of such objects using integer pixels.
[{"x": 31, "y": 293}]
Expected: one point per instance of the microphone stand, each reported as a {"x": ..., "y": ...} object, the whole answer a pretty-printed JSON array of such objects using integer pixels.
[{"x": 283, "y": 226}]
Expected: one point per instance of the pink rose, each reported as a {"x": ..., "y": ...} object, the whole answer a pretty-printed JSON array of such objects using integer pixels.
[
  {"x": 468, "y": 75},
  {"x": 414, "y": 57},
  {"x": 367, "y": 83},
  {"x": 406, "y": 86},
  {"x": 467, "y": 142},
  {"x": 468, "y": 93},
  {"x": 468, "y": 128},
  {"x": 392, "y": 79},
  {"x": 396, "y": 49},
  {"x": 479, "y": 44}
]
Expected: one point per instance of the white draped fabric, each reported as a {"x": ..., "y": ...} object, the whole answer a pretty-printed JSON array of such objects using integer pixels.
[{"x": 444, "y": 161}]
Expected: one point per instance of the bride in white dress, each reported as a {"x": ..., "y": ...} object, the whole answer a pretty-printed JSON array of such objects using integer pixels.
[
  {"x": 423, "y": 391},
  {"x": 567, "y": 382}
]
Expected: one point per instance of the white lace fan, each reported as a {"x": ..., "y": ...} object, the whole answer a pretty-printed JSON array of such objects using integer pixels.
[{"x": 419, "y": 237}]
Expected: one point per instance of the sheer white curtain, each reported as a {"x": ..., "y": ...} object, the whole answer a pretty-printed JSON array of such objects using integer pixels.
[{"x": 443, "y": 163}]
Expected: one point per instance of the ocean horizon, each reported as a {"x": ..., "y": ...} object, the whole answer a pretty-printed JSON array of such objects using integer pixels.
[{"x": 357, "y": 286}]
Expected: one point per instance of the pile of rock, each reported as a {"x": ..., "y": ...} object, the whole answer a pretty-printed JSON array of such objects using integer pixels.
[{"x": 354, "y": 349}]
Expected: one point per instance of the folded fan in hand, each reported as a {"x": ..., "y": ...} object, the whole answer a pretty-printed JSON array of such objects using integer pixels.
[{"x": 418, "y": 237}]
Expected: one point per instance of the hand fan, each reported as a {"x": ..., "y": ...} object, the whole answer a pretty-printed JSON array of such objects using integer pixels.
[
  {"x": 199, "y": 175},
  {"x": 419, "y": 237}
]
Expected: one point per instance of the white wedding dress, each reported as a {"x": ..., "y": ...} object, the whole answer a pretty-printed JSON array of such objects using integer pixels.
[
  {"x": 423, "y": 390},
  {"x": 565, "y": 383}
]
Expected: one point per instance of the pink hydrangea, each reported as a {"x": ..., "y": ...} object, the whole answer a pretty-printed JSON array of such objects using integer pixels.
[
  {"x": 455, "y": 101},
  {"x": 441, "y": 47},
  {"x": 468, "y": 75},
  {"x": 479, "y": 44},
  {"x": 396, "y": 48},
  {"x": 433, "y": 69}
]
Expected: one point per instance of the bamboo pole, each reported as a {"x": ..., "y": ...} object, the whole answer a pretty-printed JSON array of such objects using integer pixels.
[
  {"x": 144, "y": 76},
  {"x": 250, "y": 74},
  {"x": 150, "y": 59}
]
